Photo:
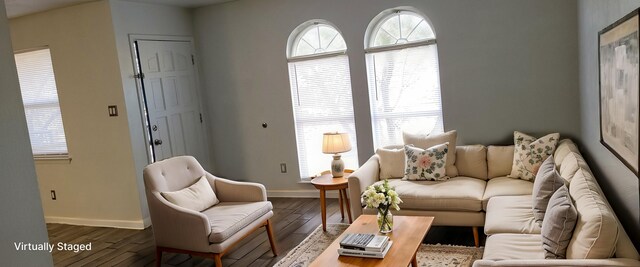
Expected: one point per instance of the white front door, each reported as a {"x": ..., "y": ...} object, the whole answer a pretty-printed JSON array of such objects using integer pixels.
[{"x": 169, "y": 84}]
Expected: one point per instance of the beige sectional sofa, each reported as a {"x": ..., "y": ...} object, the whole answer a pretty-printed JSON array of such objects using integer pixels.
[{"x": 483, "y": 195}]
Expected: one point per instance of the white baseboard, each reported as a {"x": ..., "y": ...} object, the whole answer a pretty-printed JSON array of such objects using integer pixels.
[
  {"x": 301, "y": 193},
  {"x": 137, "y": 225},
  {"x": 146, "y": 222}
]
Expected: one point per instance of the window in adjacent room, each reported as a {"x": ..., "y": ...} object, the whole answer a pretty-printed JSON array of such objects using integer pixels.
[
  {"x": 41, "y": 106},
  {"x": 404, "y": 82},
  {"x": 321, "y": 94}
]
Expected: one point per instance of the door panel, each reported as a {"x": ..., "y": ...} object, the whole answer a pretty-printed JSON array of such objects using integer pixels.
[
  {"x": 163, "y": 150},
  {"x": 174, "y": 113}
]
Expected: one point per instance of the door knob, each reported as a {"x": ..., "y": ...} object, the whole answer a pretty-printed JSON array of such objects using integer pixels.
[{"x": 157, "y": 142}]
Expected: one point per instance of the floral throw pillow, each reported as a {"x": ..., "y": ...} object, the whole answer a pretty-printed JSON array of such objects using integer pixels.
[
  {"x": 426, "y": 164},
  {"x": 529, "y": 153}
]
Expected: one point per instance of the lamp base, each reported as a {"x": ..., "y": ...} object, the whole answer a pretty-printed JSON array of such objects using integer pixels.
[{"x": 337, "y": 166}]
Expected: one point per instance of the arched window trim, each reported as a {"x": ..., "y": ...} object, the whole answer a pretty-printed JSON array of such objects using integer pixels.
[
  {"x": 384, "y": 121},
  {"x": 377, "y": 22},
  {"x": 299, "y": 32},
  {"x": 324, "y": 116}
]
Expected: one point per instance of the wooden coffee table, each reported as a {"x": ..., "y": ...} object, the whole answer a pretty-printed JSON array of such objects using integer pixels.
[{"x": 408, "y": 233}]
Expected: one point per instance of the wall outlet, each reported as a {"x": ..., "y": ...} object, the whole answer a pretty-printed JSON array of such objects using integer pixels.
[
  {"x": 53, "y": 194},
  {"x": 113, "y": 111},
  {"x": 283, "y": 167}
]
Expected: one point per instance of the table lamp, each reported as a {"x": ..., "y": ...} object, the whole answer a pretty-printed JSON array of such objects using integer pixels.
[{"x": 336, "y": 143}]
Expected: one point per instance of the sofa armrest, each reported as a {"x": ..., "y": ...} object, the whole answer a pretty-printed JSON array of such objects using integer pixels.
[
  {"x": 559, "y": 262},
  {"x": 234, "y": 191},
  {"x": 175, "y": 226},
  {"x": 366, "y": 175}
]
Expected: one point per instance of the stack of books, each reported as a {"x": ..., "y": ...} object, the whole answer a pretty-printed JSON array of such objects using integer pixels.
[{"x": 365, "y": 245}]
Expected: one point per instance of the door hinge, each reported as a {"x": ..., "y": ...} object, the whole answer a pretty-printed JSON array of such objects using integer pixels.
[
  {"x": 139, "y": 76},
  {"x": 193, "y": 60},
  {"x": 200, "y": 117}
]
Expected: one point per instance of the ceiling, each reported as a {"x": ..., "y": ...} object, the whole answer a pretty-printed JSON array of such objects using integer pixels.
[{"x": 16, "y": 8}]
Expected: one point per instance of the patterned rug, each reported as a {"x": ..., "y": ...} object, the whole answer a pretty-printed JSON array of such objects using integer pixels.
[{"x": 428, "y": 255}]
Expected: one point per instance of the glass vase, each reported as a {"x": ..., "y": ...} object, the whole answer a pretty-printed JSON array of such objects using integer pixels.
[{"x": 385, "y": 221}]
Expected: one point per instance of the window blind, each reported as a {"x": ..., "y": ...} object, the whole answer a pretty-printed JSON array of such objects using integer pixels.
[
  {"x": 40, "y": 98},
  {"x": 322, "y": 102},
  {"x": 404, "y": 90}
]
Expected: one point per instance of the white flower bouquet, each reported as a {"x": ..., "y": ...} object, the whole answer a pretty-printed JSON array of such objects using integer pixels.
[{"x": 382, "y": 197}]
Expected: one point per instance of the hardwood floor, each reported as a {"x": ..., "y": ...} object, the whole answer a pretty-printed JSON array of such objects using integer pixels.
[{"x": 293, "y": 220}]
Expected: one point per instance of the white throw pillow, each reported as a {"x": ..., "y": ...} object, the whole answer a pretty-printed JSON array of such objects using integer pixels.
[
  {"x": 391, "y": 162},
  {"x": 529, "y": 153},
  {"x": 425, "y": 141},
  {"x": 198, "y": 197},
  {"x": 426, "y": 164}
]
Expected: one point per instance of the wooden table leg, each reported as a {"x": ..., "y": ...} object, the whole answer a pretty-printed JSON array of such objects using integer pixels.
[
  {"x": 323, "y": 207},
  {"x": 346, "y": 200},
  {"x": 414, "y": 260},
  {"x": 340, "y": 201},
  {"x": 476, "y": 238}
]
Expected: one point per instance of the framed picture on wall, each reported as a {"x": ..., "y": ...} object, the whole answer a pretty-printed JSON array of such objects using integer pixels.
[{"x": 619, "y": 85}]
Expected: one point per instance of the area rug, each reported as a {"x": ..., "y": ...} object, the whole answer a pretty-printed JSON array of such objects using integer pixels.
[{"x": 428, "y": 255}]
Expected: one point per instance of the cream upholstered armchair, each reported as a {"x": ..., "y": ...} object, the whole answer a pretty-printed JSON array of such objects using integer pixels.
[{"x": 242, "y": 209}]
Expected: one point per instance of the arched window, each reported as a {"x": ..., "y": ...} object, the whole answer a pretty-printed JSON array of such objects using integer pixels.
[
  {"x": 404, "y": 81},
  {"x": 321, "y": 93}
]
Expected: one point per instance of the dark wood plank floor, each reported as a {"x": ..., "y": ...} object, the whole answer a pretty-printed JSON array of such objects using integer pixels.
[{"x": 294, "y": 219}]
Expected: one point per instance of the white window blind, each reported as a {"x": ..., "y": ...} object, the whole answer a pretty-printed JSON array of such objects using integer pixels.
[
  {"x": 322, "y": 102},
  {"x": 404, "y": 90},
  {"x": 40, "y": 98}
]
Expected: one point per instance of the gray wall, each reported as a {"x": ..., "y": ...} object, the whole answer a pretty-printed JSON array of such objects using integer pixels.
[
  {"x": 619, "y": 184},
  {"x": 504, "y": 66},
  {"x": 22, "y": 219}
]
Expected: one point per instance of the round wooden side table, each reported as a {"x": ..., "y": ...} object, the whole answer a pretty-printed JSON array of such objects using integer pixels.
[{"x": 327, "y": 182}]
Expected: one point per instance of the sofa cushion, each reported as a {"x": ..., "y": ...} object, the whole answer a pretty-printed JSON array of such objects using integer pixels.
[
  {"x": 571, "y": 164},
  {"x": 426, "y": 141},
  {"x": 426, "y": 164},
  {"x": 505, "y": 186},
  {"x": 565, "y": 146},
  {"x": 547, "y": 181},
  {"x": 199, "y": 196},
  {"x": 456, "y": 194},
  {"x": 227, "y": 218},
  {"x": 471, "y": 161},
  {"x": 391, "y": 162},
  {"x": 510, "y": 215},
  {"x": 499, "y": 161},
  {"x": 558, "y": 224},
  {"x": 596, "y": 232},
  {"x": 530, "y": 153},
  {"x": 513, "y": 247}
]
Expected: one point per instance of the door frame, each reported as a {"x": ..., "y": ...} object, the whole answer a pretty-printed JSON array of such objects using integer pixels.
[{"x": 141, "y": 94}]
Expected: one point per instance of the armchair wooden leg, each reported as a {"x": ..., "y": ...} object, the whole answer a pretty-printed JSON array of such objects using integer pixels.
[
  {"x": 158, "y": 257},
  {"x": 272, "y": 239},
  {"x": 476, "y": 238},
  {"x": 218, "y": 259}
]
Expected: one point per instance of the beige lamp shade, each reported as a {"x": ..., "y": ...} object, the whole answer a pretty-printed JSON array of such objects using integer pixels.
[{"x": 333, "y": 143}]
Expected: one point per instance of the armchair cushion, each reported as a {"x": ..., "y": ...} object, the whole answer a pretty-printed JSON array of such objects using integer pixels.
[
  {"x": 228, "y": 218},
  {"x": 197, "y": 197}
]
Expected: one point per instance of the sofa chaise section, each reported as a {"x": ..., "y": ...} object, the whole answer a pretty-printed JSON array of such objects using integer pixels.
[{"x": 598, "y": 239}]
